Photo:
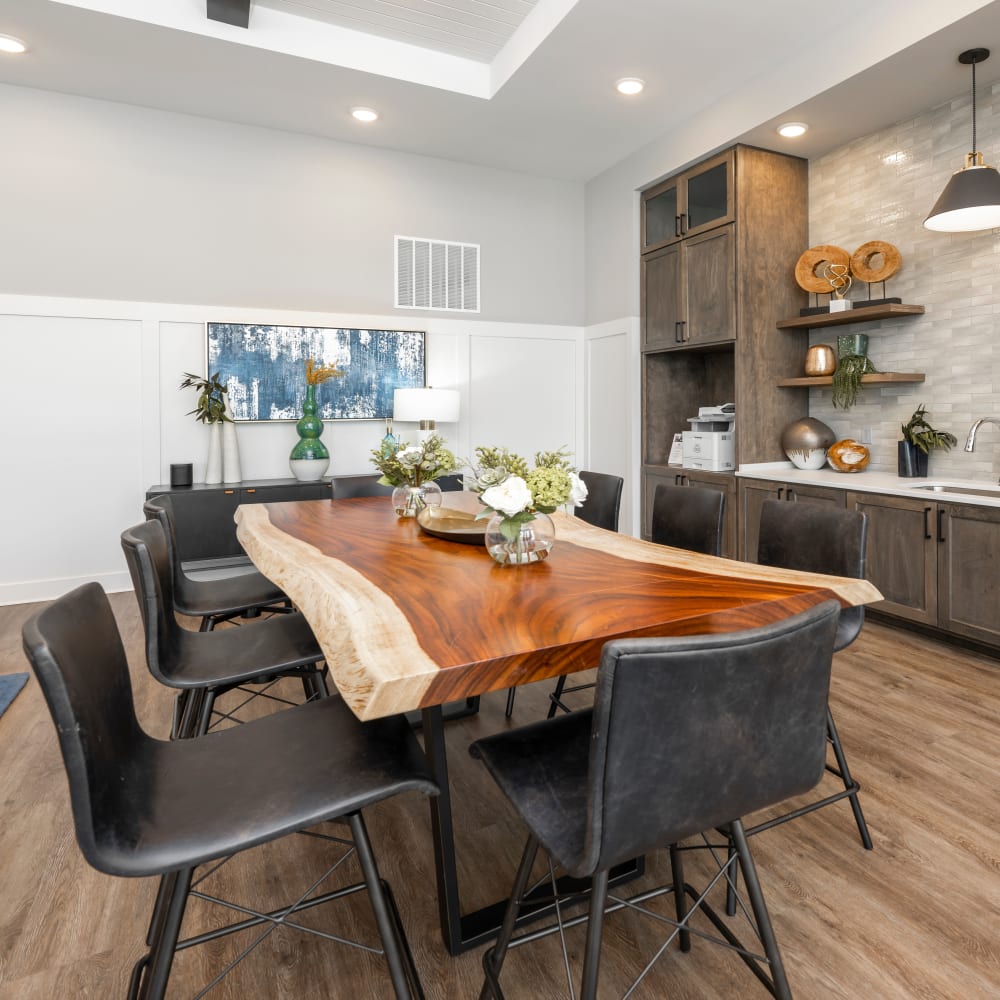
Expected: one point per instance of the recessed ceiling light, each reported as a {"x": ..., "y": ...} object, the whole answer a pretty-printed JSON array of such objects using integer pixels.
[
  {"x": 792, "y": 129},
  {"x": 629, "y": 85},
  {"x": 12, "y": 45},
  {"x": 364, "y": 114}
]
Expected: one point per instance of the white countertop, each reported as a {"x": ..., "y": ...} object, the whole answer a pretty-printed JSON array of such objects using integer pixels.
[{"x": 874, "y": 482}]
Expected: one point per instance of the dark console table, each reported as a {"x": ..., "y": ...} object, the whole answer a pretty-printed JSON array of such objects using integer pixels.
[{"x": 204, "y": 514}]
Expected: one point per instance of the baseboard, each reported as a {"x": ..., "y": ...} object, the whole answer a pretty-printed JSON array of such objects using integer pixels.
[{"x": 30, "y": 591}]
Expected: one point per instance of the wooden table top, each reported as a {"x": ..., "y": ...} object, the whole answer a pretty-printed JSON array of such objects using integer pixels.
[{"x": 407, "y": 620}]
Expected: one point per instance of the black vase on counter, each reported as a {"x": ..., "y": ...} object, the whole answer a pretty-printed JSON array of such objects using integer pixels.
[{"x": 912, "y": 460}]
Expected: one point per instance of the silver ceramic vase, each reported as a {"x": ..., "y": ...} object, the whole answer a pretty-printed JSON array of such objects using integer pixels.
[{"x": 805, "y": 442}]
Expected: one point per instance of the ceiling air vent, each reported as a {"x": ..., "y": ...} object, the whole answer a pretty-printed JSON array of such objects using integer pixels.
[{"x": 432, "y": 274}]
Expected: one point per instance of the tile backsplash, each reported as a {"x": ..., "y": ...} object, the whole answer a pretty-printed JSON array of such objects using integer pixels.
[{"x": 881, "y": 187}]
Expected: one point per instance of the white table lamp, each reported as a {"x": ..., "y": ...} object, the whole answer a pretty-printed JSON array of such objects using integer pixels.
[{"x": 426, "y": 407}]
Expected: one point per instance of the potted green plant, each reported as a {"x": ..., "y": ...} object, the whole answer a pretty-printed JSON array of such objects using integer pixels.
[
  {"x": 919, "y": 440},
  {"x": 211, "y": 409},
  {"x": 847, "y": 378}
]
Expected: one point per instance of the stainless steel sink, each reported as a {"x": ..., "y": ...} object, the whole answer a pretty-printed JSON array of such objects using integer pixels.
[{"x": 972, "y": 491}]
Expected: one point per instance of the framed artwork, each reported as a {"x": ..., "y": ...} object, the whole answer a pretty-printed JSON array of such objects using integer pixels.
[{"x": 264, "y": 369}]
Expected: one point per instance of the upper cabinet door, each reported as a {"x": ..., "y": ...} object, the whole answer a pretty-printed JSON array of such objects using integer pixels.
[
  {"x": 708, "y": 193},
  {"x": 690, "y": 203},
  {"x": 661, "y": 215}
]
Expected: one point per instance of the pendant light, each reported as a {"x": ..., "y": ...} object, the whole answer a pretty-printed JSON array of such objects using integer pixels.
[{"x": 971, "y": 199}]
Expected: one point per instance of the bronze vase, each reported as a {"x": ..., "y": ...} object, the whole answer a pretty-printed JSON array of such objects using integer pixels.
[{"x": 820, "y": 360}]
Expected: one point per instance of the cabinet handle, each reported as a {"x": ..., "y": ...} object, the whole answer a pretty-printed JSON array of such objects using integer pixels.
[
  {"x": 684, "y": 333},
  {"x": 927, "y": 523},
  {"x": 684, "y": 225},
  {"x": 781, "y": 489},
  {"x": 940, "y": 524},
  {"x": 228, "y": 493},
  {"x": 677, "y": 225},
  {"x": 677, "y": 332},
  {"x": 251, "y": 490},
  {"x": 677, "y": 480},
  {"x": 790, "y": 494}
]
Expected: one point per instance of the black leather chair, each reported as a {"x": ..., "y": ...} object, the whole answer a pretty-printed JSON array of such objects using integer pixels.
[
  {"x": 684, "y": 517},
  {"x": 146, "y": 807},
  {"x": 601, "y": 509},
  {"x": 688, "y": 517},
  {"x": 204, "y": 665},
  {"x": 687, "y": 734},
  {"x": 223, "y": 598},
  {"x": 820, "y": 539},
  {"x": 346, "y": 487},
  {"x": 604, "y": 500}
]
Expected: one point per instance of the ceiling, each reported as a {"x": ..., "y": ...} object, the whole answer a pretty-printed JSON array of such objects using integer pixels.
[{"x": 523, "y": 85}]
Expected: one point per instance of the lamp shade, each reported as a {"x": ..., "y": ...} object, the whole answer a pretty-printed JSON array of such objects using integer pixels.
[
  {"x": 969, "y": 202},
  {"x": 426, "y": 405}
]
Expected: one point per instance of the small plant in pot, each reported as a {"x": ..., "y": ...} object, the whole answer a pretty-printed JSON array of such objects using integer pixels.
[{"x": 919, "y": 440}]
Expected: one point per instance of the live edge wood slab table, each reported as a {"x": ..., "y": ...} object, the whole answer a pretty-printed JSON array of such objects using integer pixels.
[{"x": 411, "y": 621}]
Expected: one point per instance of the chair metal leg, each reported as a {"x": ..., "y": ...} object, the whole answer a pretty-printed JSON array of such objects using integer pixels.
[
  {"x": 680, "y": 901},
  {"x": 152, "y": 971},
  {"x": 493, "y": 957},
  {"x": 511, "y": 695},
  {"x": 849, "y": 782},
  {"x": 383, "y": 917},
  {"x": 595, "y": 925},
  {"x": 163, "y": 895},
  {"x": 761, "y": 916},
  {"x": 205, "y": 713},
  {"x": 555, "y": 695}
]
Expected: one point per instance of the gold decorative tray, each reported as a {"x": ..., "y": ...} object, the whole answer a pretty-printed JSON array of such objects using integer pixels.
[{"x": 452, "y": 525}]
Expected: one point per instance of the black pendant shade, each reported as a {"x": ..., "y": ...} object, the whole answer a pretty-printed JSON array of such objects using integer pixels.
[{"x": 971, "y": 199}]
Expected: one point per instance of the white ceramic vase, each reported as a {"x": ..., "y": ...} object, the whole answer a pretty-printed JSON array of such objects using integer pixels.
[
  {"x": 213, "y": 464},
  {"x": 231, "y": 470}
]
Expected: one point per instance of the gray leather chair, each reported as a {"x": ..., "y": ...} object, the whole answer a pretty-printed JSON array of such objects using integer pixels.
[
  {"x": 145, "y": 807},
  {"x": 687, "y": 734}
]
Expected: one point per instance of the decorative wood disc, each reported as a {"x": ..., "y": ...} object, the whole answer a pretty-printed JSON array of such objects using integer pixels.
[
  {"x": 811, "y": 266},
  {"x": 861, "y": 261}
]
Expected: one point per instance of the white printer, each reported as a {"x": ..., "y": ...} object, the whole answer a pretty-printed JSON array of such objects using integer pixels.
[{"x": 710, "y": 445}]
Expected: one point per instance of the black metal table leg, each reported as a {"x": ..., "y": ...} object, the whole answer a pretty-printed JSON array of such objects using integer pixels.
[{"x": 464, "y": 931}]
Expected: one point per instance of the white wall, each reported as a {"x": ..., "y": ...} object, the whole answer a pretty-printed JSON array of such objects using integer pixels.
[
  {"x": 91, "y": 417},
  {"x": 111, "y": 201}
]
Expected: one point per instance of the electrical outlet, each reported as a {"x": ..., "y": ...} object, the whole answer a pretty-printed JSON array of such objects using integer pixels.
[{"x": 866, "y": 435}]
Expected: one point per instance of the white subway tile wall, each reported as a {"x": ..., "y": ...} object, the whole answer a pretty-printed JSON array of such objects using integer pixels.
[{"x": 881, "y": 187}]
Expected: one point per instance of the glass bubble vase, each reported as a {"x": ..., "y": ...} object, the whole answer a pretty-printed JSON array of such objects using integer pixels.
[
  {"x": 408, "y": 501},
  {"x": 513, "y": 543}
]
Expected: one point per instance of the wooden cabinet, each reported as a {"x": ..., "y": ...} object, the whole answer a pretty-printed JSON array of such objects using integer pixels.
[
  {"x": 689, "y": 292},
  {"x": 902, "y": 553},
  {"x": 204, "y": 514},
  {"x": 968, "y": 571},
  {"x": 689, "y": 203},
  {"x": 753, "y": 493},
  {"x": 722, "y": 481},
  {"x": 935, "y": 563},
  {"x": 714, "y": 286}
]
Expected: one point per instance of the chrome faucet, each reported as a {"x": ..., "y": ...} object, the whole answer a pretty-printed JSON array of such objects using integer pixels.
[{"x": 970, "y": 441}]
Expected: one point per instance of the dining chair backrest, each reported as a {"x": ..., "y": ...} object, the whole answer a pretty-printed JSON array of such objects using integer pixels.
[
  {"x": 816, "y": 538},
  {"x": 688, "y": 517},
  {"x": 346, "y": 487},
  {"x": 76, "y": 652},
  {"x": 604, "y": 499},
  {"x": 161, "y": 509},
  {"x": 148, "y": 559},
  {"x": 689, "y": 733}
]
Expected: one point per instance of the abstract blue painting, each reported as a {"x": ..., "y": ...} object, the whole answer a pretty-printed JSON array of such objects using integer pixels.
[{"x": 264, "y": 369}]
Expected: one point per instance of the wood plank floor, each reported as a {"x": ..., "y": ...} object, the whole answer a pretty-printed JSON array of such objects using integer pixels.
[{"x": 919, "y": 917}]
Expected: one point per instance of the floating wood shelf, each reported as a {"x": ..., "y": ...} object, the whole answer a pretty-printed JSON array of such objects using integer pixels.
[
  {"x": 862, "y": 314},
  {"x": 882, "y": 377}
]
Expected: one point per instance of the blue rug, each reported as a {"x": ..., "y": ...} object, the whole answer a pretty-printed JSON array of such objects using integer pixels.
[{"x": 10, "y": 688}]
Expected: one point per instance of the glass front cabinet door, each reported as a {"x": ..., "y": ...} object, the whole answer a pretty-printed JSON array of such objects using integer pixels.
[{"x": 690, "y": 203}]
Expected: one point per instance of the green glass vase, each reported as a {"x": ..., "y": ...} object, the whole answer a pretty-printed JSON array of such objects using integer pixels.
[{"x": 309, "y": 459}]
